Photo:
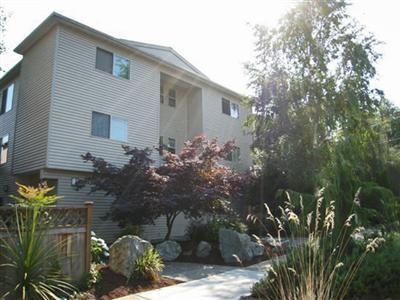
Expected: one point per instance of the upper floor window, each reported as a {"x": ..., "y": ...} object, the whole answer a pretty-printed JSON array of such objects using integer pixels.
[
  {"x": 230, "y": 108},
  {"x": 112, "y": 63},
  {"x": 3, "y": 149},
  {"x": 7, "y": 96},
  {"x": 161, "y": 94},
  {"x": 172, "y": 98},
  {"x": 171, "y": 145},
  {"x": 234, "y": 156},
  {"x": 109, "y": 127}
]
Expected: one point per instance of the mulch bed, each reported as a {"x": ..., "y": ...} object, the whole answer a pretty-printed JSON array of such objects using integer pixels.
[{"x": 114, "y": 285}]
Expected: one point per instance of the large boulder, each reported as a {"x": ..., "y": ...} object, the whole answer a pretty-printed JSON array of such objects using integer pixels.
[
  {"x": 235, "y": 247},
  {"x": 169, "y": 250},
  {"x": 124, "y": 251},
  {"x": 257, "y": 249},
  {"x": 203, "y": 249}
]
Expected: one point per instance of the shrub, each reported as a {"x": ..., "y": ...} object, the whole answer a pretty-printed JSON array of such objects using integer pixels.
[
  {"x": 379, "y": 275},
  {"x": 89, "y": 279},
  {"x": 98, "y": 250},
  {"x": 208, "y": 232},
  {"x": 312, "y": 268},
  {"x": 130, "y": 230},
  {"x": 148, "y": 266},
  {"x": 31, "y": 257}
]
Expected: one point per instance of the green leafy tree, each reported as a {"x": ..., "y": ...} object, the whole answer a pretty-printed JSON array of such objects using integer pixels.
[
  {"x": 3, "y": 22},
  {"x": 311, "y": 78}
]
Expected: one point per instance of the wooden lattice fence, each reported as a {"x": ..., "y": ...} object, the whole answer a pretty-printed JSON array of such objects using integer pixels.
[{"x": 70, "y": 227}]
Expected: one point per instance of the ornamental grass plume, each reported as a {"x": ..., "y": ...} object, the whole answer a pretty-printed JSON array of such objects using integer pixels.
[{"x": 311, "y": 268}]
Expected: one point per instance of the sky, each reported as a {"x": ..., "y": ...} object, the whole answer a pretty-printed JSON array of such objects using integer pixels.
[{"x": 214, "y": 35}]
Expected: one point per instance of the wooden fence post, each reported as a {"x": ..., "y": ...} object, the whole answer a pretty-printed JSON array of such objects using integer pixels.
[{"x": 89, "y": 213}]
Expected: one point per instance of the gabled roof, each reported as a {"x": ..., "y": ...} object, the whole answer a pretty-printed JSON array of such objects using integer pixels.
[
  {"x": 162, "y": 55},
  {"x": 11, "y": 74},
  {"x": 166, "y": 54}
]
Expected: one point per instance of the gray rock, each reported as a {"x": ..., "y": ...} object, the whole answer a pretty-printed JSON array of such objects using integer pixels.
[
  {"x": 257, "y": 249},
  {"x": 203, "y": 249},
  {"x": 235, "y": 247},
  {"x": 124, "y": 251},
  {"x": 169, "y": 250}
]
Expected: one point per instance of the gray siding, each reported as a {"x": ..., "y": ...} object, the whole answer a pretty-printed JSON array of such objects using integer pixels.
[
  {"x": 32, "y": 125},
  {"x": 158, "y": 231},
  {"x": 79, "y": 89},
  {"x": 71, "y": 197},
  {"x": 7, "y": 126},
  {"x": 105, "y": 229}
]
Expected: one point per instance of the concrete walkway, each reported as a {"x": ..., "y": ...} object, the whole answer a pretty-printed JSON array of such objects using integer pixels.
[{"x": 216, "y": 282}]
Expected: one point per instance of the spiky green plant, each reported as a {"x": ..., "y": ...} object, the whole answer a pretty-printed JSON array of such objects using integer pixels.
[
  {"x": 30, "y": 256},
  {"x": 148, "y": 266},
  {"x": 311, "y": 269}
]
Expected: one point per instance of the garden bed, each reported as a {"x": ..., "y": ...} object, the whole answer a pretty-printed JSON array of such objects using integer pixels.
[{"x": 113, "y": 285}]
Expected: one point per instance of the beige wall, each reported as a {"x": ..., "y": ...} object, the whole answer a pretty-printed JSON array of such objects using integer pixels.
[
  {"x": 32, "y": 127},
  {"x": 7, "y": 126},
  {"x": 80, "y": 88},
  {"x": 224, "y": 127},
  {"x": 60, "y": 87},
  {"x": 173, "y": 120}
]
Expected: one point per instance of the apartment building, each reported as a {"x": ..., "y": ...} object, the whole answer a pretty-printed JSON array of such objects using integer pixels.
[{"x": 78, "y": 90}]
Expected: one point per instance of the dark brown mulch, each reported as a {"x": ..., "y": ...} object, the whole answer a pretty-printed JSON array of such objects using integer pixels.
[{"x": 114, "y": 285}]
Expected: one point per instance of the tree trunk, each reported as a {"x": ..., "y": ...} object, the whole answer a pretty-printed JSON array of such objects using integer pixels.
[{"x": 170, "y": 223}]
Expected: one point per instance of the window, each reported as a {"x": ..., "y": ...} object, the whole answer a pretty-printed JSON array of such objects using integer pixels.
[
  {"x": 161, "y": 94},
  {"x": 234, "y": 110},
  {"x": 7, "y": 99},
  {"x": 226, "y": 107},
  {"x": 229, "y": 108},
  {"x": 119, "y": 129},
  {"x": 109, "y": 127},
  {"x": 234, "y": 156},
  {"x": 3, "y": 149},
  {"x": 121, "y": 67},
  {"x": 161, "y": 145},
  {"x": 172, "y": 98},
  {"x": 171, "y": 145},
  {"x": 112, "y": 63}
]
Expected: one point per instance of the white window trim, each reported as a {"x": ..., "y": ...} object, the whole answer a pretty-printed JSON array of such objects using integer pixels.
[
  {"x": 114, "y": 55},
  {"x": 2, "y": 155},
  {"x": 231, "y": 104},
  {"x": 10, "y": 95},
  {"x": 110, "y": 136}
]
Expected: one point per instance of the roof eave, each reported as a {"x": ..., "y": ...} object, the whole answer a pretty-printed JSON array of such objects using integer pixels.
[
  {"x": 11, "y": 74},
  {"x": 56, "y": 18}
]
